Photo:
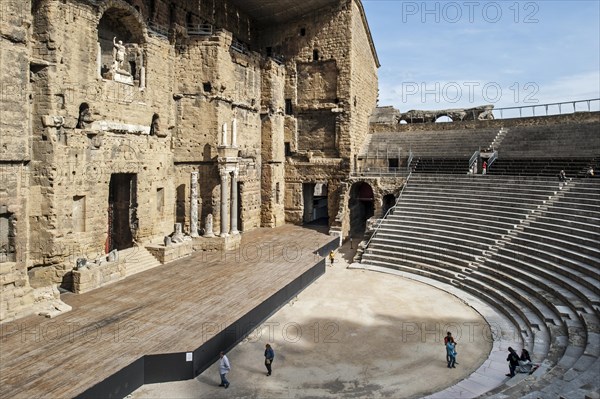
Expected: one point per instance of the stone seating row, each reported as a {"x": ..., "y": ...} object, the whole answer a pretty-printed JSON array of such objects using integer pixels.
[
  {"x": 527, "y": 264},
  {"x": 429, "y": 143},
  {"x": 577, "y": 139},
  {"x": 549, "y": 167}
]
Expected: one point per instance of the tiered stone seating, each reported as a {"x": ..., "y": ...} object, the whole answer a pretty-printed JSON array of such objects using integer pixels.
[
  {"x": 548, "y": 167},
  {"x": 528, "y": 246},
  {"x": 545, "y": 150},
  {"x": 441, "y": 165},
  {"x": 566, "y": 140},
  {"x": 432, "y": 144}
]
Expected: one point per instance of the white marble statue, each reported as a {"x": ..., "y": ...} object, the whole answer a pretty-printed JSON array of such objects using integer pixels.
[{"x": 119, "y": 54}]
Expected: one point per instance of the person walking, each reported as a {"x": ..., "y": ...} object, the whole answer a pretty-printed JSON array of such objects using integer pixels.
[
  {"x": 269, "y": 356},
  {"x": 449, "y": 338},
  {"x": 513, "y": 361},
  {"x": 451, "y": 354},
  {"x": 484, "y": 168},
  {"x": 331, "y": 258},
  {"x": 224, "y": 368}
]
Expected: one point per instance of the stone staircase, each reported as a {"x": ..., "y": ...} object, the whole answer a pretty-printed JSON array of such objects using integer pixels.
[{"x": 136, "y": 260}]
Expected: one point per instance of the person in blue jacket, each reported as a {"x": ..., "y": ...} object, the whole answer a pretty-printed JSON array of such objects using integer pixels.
[
  {"x": 269, "y": 356},
  {"x": 451, "y": 352}
]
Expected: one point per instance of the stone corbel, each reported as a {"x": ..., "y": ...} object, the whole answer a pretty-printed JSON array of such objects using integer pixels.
[
  {"x": 95, "y": 139},
  {"x": 53, "y": 121}
]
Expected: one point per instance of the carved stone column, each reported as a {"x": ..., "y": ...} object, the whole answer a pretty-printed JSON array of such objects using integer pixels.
[
  {"x": 234, "y": 133},
  {"x": 208, "y": 227},
  {"x": 234, "y": 202},
  {"x": 224, "y": 190},
  {"x": 99, "y": 60},
  {"x": 224, "y": 135},
  {"x": 194, "y": 205}
]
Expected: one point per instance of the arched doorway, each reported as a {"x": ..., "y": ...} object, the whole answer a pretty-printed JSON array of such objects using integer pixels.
[{"x": 361, "y": 206}]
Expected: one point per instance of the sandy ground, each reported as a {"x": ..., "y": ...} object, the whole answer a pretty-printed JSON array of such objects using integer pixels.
[{"x": 352, "y": 334}]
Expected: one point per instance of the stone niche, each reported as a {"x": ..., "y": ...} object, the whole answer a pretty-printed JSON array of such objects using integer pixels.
[{"x": 121, "y": 52}]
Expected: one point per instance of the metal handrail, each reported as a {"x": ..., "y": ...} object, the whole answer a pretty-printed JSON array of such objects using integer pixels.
[
  {"x": 279, "y": 59},
  {"x": 380, "y": 172},
  {"x": 473, "y": 158},
  {"x": 200, "y": 29},
  {"x": 533, "y": 107},
  {"x": 492, "y": 159},
  {"x": 238, "y": 46},
  {"x": 387, "y": 213},
  {"x": 158, "y": 29},
  {"x": 409, "y": 161}
]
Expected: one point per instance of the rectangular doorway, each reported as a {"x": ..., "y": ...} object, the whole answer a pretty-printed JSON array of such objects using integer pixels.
[{"x": 122, "y": 211}]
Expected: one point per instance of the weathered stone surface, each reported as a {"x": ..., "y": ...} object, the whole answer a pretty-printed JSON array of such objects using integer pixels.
[
  {"x": 99, "y": 138},
  {"x": 483, "y": 112}
]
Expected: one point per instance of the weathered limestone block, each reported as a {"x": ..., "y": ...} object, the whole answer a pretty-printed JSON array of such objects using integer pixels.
[{"x": 483, "y": 112}]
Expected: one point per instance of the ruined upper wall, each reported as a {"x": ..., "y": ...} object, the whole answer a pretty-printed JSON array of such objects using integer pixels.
[
  {"x": 167, "y": 14},
  {"x": 315, "y": 48},
  {"x": 577, "y": 117},
  {"x": 14, "y": 81},
  {"x": 364, "y": 81}
]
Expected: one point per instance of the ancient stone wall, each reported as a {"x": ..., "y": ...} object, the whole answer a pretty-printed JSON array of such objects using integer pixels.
[
  {"x": 331, "y": 89},
  {"x": 92, "y": 128},
  {"x": 364, "y": 84},
  {"x": 315, "y": 49},
  {"x": 273, "y": 150},
  {"x": 167, "y": 14},
  {"x": 16, "y": 295},
  {"x": 109, "y": 108}
]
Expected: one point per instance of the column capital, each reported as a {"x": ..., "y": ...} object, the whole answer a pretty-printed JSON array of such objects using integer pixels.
[{"x": 224, "y": 173}]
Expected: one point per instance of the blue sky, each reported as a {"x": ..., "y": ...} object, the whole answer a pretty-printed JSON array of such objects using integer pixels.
[{"x": 450, "y": 54}]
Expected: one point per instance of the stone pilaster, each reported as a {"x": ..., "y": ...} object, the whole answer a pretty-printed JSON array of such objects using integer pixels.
[
  {"x": 224, "y": 190},
  {"x": 194, "y": 205},
  {"x": 234, "y": 202}
]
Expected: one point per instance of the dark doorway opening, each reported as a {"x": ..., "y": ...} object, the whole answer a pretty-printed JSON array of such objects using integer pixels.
[
  {"x": 362, "y": 207},
  {"x": 240, "y": 208},
  {"x": 122, "y": 211},
  {"x": 389, "y": 201},
  {"x": 180, "y": 205},
  {"x": 315, "y": 203}
]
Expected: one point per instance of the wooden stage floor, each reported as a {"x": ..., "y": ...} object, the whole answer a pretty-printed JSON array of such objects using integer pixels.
[{"x": 171, "y": 308}]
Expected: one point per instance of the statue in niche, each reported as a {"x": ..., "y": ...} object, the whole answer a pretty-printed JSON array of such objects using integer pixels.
[
  {"x": 119, "y": 54},
  {"x": 155, "y": 127}
]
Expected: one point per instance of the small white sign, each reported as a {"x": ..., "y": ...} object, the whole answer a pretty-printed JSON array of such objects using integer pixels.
[{"x": 188, "y": 356}]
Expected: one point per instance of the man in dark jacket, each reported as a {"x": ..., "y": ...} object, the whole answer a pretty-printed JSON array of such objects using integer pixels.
[
  {"x": 269, "y": 356},
  {"x": 513, "y": 361}
]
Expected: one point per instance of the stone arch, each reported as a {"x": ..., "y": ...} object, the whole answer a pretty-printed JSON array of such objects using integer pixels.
[
  {"x": 140, "y": 7},
  {"x": 120, "y": 26},
  {"x": 127, "y": 16},
  {"x": 361, "y": 206}
]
